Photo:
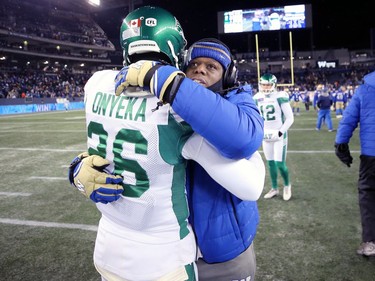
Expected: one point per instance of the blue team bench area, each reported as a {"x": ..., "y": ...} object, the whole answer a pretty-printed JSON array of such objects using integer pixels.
[{"x": 29, "y": 105}]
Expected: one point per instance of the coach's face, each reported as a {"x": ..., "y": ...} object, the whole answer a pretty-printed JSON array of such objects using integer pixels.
[{"x": 205, "y": 71}]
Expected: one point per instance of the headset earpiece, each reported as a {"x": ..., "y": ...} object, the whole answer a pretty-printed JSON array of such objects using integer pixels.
[{"x": 230, "y": 76}]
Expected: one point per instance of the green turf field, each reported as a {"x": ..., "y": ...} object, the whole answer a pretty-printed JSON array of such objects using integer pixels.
[{"x": 47, "y": 228}]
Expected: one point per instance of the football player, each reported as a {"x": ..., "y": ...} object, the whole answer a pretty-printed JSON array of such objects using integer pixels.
[
  {"x": 277, "y": 113},
  {"x": 340, "y": 100},
  {"x": 296, "y": 99}
]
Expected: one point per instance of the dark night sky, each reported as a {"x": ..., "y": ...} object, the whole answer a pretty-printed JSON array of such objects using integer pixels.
[{"x": 335, "y": 24}]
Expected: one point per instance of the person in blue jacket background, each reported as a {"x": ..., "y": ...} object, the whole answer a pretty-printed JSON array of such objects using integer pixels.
[
  {"x": 361, "y": 111},
  {"x": 226, "y": 115}
]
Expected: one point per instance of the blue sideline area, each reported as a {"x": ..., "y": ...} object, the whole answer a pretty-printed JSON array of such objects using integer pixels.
[{"x": 39, "y": 107}]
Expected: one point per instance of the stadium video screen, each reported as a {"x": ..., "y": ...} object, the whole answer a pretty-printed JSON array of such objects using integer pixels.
[{"x": 265, "y": 19}]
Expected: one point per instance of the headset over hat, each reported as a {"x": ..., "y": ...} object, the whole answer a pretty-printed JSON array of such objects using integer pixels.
[
  {"x": 217, "y": 50},
  {"x": 152, "y": 33}
]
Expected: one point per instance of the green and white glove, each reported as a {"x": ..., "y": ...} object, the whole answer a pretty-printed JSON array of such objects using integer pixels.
[
  {"x": 132, "y": 75},
  {"x": 163, "y": 81},
  {"x": 87, "y": 174}
]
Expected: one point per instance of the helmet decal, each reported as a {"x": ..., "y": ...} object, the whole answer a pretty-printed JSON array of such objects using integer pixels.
[
  {"x": 151, "y": 22},
  {"x": 131, "y": 32},
  {"x": 135, "y": 23}
]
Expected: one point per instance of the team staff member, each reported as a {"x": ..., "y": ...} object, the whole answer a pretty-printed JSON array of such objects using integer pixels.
[
  {"x": 226, "y": 232},
  {"x": 361, "y": 111}
]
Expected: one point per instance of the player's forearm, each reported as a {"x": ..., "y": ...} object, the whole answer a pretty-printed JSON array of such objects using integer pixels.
[
  {"x": 243, "y": 178},
  {"x": 289, "y": 117}
]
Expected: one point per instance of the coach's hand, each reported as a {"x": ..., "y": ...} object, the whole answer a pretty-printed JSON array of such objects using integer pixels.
[
  {"x": 343, "y": 153},
  {"x": 87, "y": 174}
]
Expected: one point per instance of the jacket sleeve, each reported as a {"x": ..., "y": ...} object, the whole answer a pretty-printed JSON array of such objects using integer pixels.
[
  {"x": 350, "y": 120},
  {"x": 233, "y": 126}
]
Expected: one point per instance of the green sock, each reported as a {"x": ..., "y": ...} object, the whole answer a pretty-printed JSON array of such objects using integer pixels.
[
  {"x": 273, "y": 173},
  {"x": 284, "y": 172}
]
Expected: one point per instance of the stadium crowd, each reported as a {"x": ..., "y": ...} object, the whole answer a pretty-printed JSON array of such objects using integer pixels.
[
  {"x": 37, "y": 84},
  {"x": 57, "y": 24}
]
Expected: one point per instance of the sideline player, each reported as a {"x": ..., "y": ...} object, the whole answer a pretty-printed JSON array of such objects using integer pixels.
[{"x": 278, "y": 116}]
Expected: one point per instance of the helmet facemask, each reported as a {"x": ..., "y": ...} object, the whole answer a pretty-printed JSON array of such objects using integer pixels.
[{"x": 266, "y": 88}]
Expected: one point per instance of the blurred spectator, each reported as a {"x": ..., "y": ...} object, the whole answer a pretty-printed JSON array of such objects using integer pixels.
[{"x": 324, "y": 104}]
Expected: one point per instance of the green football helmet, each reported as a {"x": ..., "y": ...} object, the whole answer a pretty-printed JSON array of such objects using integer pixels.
[
  {"x": 152, "y": 33},
  {"x": 267, "y": 80}
]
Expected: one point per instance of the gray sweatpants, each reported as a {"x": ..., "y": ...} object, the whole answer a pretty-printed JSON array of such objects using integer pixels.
[{"x": 241, "y": 268}]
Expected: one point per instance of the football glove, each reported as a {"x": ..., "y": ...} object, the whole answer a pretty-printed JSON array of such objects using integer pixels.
[
  {"x": 343, "y": 153},
  {"x": 132, "y": 75},
  {"x": 272, "y": 135},
  {"x": 87, "y": 174},
  {"x": 163, "y": 81}
]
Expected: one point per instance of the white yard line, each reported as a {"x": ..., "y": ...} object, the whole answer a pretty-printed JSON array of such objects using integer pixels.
[
  {"x": 49, "y": 224},
  {"x": 15, "y": 194},
  {"x": 42, "y": 149},
  {"x": 48, "y": 178},
  {"x": 22, "y": 115},
  {"x": 41, "y": 131}
]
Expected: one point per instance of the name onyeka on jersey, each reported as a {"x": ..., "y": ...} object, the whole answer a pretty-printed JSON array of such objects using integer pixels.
[{"x": 120, "y": 107}]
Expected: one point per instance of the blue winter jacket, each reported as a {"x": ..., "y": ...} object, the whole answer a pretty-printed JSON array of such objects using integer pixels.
[
  {"x": 224, "y": 225},
  {"x": 361, "y": 110},
  {"x": 232, "y": 124}
]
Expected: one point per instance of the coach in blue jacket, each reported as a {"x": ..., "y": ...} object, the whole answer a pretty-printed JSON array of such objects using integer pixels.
[
  {"x": 225, "y": 226},
  {"x": 361, "y": 110}
]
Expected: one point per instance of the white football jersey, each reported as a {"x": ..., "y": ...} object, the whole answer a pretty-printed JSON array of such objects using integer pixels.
[
  {"x": 144, "y": 146},
  {"x": 270, "y": 108}
]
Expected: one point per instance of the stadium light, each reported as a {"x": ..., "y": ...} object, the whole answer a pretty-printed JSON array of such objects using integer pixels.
[{"x": 95, "y": 3}]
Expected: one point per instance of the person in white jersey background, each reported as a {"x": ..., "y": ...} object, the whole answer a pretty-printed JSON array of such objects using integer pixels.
[{"x": 278, "y": 116}]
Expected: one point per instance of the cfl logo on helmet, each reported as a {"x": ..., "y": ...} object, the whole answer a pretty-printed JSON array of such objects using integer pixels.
[{"x": 151, "y": 22}]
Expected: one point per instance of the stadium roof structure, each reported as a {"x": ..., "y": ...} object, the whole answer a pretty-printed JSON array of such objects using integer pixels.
[
  {"x": 85, "y": 6},
  {"x": 23, "y": 40}
]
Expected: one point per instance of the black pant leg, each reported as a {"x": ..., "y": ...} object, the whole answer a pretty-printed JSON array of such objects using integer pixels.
[{"x": 366, "y": 196}]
